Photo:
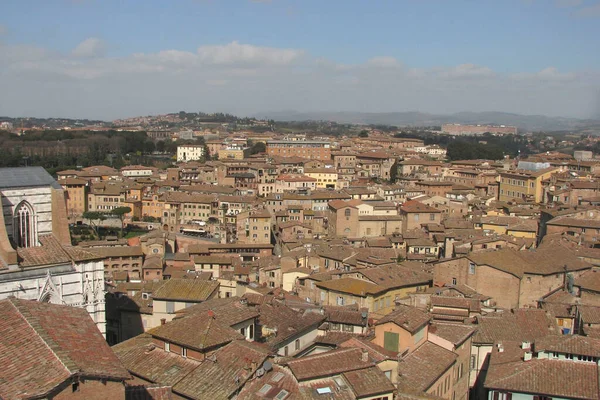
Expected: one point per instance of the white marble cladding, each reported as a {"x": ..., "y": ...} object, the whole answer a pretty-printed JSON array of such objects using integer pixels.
[
  {"x": 40, "y": 199},
  {"x": 79, "y": 284}
]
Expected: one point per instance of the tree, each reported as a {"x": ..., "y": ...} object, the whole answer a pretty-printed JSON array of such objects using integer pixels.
[
  {"x": 394, "y": 172},
  {"x": 363, "y": 133},
  {"x": 120, "y": 212},
  {"x": 92, "y": 216}
]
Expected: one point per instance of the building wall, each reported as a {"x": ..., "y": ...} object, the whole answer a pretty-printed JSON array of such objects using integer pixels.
[
  {"x": 78, "y": 285},
  {"x": 378, "y": 228},
  {"x": 190, "y": 153},
  {"x": 414, "y": 220},
  {"x": 40, "y": 199},
  {"x": 253, "y": 229},
  {"x": 300, "y": 149},
  {"x": 344, "y": 225},
  {"x": 406, "y": 340},
  {"x": 76, "y": 199},
  {"x": 443, "y": 387},
  {"x": 500, "y": 286}
]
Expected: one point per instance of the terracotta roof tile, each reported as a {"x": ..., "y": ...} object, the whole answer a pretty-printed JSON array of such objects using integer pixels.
[
  {"x": 327, "y": 364},
  {"x": 369, "y": 382},
  {"x": 190, "y": 290},
  {"x": 234, "y": 365},
  {"x": 421, "y": 368},
  {"x": 42, "y": 345},
  {"x": 406, "y": 317},
  {"x": 553, "y": 378}
]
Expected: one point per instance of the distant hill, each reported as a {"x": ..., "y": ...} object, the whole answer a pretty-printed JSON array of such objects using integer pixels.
[{"x": 415, "y": 118}]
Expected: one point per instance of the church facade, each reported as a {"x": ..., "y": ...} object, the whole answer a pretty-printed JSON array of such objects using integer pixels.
[{"x": 37, "y": 260}]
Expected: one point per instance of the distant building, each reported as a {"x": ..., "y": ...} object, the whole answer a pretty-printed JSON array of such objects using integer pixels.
[
  {"x": 525, "y": 185},
  {"x": 583, "y": 155},
  {"x": 190, "y": 152},
  {"x": 458, "y": 129},
  {"x": 311, "y": 149}
]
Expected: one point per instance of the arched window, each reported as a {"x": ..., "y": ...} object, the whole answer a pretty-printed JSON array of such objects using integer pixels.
[{"x": 25, "y": 226}]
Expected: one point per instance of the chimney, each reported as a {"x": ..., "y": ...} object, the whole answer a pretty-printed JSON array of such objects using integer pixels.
[
  {"x": 527, "y": 356},
  {"x": 525, "y": 345},
  {"x": 211, "y": 314},
  {"x": 364, "y": 357},
  {"x": 163, "y": 321}
]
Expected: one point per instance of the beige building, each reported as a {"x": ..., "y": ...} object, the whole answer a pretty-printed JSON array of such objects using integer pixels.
[
  {"x": 190, "y": 152},
  {"x": 327, "y": 178},
  {"x": 524, "y": 185},
  {"x": 254, "y": 227},
  {"x": 75, "y": 196}
]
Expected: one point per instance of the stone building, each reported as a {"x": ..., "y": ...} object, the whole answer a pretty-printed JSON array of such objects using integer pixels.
[{"x": 37, "y": 261}]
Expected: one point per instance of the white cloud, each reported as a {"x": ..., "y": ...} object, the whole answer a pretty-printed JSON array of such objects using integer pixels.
[
  {"x": 246, "y": 79},
  {"x": 90, "y": 47},
  {"x": 384, "y": 62},
  {"x": 467, "y": 71},
  {"x": 235, "y": 52},
  {"x": 546, "y": 74}
]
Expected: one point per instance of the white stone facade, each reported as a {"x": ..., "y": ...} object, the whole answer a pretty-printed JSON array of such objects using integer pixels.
[
  {"x": 190, "y": 153},
  {"x": 80, "y": 284}
]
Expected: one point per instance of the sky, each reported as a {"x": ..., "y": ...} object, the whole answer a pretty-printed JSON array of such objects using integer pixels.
[{"x": 111, "y": 59}]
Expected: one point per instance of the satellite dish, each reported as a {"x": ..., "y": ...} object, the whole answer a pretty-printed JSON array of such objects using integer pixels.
[
  {"x": 260, "y": 372},
  {"x": 267, "y": 366}
]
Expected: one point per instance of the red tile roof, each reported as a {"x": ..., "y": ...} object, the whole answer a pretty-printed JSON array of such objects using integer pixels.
[
  {"x": 553, "y": 378},
  {"x": 43, "y": 345},
  {"x": 328, "y": 364},
  {"x": 423, "y": 367}
]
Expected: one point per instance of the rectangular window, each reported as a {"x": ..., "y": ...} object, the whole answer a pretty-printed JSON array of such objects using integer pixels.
[
  {"x": 183, "y": 352},
  {"x": 473, "y": 362},
  {"x": 432, "y": 217},
  {"x": 472, "y": 268},
  {"x": 297, "y": 344},
  {"x": 391, "y": 341},
  {"x": 170, "y": 307},
  {"x": 167, "y": 346}
]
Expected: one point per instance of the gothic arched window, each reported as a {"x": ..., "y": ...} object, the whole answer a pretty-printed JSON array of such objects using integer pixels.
[{"x": 25, "y": 226}]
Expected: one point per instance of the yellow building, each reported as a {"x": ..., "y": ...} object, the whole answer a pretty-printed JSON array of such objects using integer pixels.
[
  {"x": 231, "y": 154},
  {"x": 75, "y": 196},
  {"x": 379, "y": 298},
  {"x": 327, "y": 178},
  {"x": 526, "y": 185}
]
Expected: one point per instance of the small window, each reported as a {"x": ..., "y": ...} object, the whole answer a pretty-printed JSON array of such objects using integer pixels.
[
  {"x": 472, "y": 268},
  {"x": 297, "y": 344},
  {"x": 282, "y": 394},
  {"x": 265, "y": 389},
  {"x": 183, "y": 352},
  {"x": 454, "y": 281},
  {"x": 347, "y": 212}
]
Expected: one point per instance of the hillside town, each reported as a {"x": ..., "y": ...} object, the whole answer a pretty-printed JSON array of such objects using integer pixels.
[{"x": 313, "y": 267}]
